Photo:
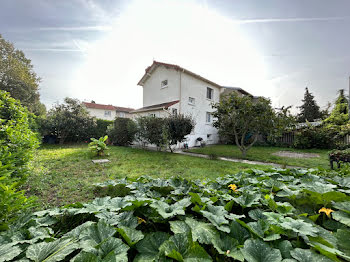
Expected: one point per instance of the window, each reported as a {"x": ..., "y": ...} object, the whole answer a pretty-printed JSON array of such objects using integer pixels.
[
  {"x": 154, "y": 115},
  {"x": 164, "y": 84},
  {"x": 174, "y": 111},
  {"x": 191, "y": 101},
  {"x": 107, "y": 113},
  {"x": 208, "y": 117},
  {"x": 122, "y": 114},
  {"x": 210, "y": 93}
]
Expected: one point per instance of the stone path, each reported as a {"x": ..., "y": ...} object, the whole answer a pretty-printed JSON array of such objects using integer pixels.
[{"x": 236, "y": 160}]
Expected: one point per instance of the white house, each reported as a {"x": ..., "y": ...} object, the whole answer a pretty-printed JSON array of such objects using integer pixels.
[
  {"x": 107, "y": 112},
  {"x": 171, "y": 89}
]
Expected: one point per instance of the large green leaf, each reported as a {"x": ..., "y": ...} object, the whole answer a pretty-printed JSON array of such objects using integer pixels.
[
  {"x": 255, "y": 250},
  {"x": 342, "y": 217},
  {"x": 204, "y": 233},
  {"x": 181, "y": 248},
  {"x": 299, "y": 226},
  {"x": 343, "y": 240},
  {"x": 216, "y": 215},
  {"x": 148, "y": 247},
  {"x": 227, "y": 246},
  {"x": 95, "y": 234},
  {"x": 52, "y": 251},
  {"x": 86, "y": 257},
  {"x": 305, "y": 255},
  {"x": 239, "y": 232},
  {"x": 248, "y": 199},
  {"x": 168, "y": 211},
  {"x": 344, "y": 206},
  {"x": 130, "y": 235},
  {"x": 285, "y": 247},
  {"x": 113, "y": 248},
  {"x": 9, "y": 251}
]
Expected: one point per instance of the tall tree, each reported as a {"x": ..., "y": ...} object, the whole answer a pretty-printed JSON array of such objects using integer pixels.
[
  {"x": 309, "y": 110},
  {"x": 18, "y": 77},
  {"x": 340, "y": 112},
  {"x": 243, "y": 119}
]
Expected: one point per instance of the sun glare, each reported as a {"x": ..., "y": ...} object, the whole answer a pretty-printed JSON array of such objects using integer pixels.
[{"x": 180, "y": 32}]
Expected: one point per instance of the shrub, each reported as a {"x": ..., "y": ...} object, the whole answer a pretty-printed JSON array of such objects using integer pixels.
[
  {"x": 164, "y": 132},
  {"x": 17, "y": 144},
  {"x": 69, "y": 121},
  {"x": 100, "y": 129},
  {"x": 17, "y": 140},
  {"x": 98, "y": 145},
  {"x": 151, "y": 130},
  {"x": 315, "y": 137},
  {"x": 122, "y": 132}
]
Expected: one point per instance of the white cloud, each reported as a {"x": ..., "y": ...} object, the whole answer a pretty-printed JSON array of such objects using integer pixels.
[
  {"x": 179, "y": 32},
  {"x": 296, "y": 19}
]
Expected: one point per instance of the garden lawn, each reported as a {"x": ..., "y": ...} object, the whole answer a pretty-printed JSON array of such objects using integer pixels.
[
  {"x": 65, "y": 174},
  {"x": 265, "y": 154}
]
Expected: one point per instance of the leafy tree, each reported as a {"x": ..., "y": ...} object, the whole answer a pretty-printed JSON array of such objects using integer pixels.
[
  {"x": 122, "y": 132},
  {"x": 340, "y": 112},
  {"x": 178, "y": 126},
  {"x": 69, "y": 121},
  {"x": 309, "y": 111},
  {"x": 152, "y": 131},
  {"x": 244, "y": 119},
  {"x": 18, "y": 77}
]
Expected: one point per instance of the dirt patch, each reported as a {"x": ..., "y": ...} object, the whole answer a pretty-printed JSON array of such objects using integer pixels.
[{"x": 295, "y": 155}]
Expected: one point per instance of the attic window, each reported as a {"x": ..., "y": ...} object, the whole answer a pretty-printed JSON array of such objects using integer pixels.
[{"x": 164, "y": 83}]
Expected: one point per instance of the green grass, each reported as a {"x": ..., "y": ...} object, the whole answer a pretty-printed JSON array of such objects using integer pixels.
[
  {"x": 65, "y": 174},
  {"x": 265, "y": 154}
]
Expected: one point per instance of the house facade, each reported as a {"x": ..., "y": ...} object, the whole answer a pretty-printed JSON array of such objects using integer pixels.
[
  {"x": 107, "y": 112},
  {"x": 171, "y": 89}
]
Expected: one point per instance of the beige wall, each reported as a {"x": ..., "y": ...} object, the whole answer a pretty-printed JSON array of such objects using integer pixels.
[
  {"x": 100, "y": 113},
  {"x": 153, "y": 93},
  {"x": 197, "y": 89}
]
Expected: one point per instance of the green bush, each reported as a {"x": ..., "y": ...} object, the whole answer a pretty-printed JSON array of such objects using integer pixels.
[
  {"x": 101, "y": 127},
  {"x": 69, "y": 121},
  {"x": 17, "y": 144},
  {"x": 164, "y": 132},
  {"x": 122, "y": 132},
  {"x": 268, "y": 216},
  {"x": 315, "y": 137}
]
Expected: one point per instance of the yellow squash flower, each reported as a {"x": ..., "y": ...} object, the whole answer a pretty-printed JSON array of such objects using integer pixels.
[
  {"x": 327, "y": 211},
  {"x": 140, "y": 220},
  {"x": 233, "y": 187}
]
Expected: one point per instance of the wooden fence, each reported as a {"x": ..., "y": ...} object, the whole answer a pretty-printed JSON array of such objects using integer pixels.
[{"x": 288, "y": 139}]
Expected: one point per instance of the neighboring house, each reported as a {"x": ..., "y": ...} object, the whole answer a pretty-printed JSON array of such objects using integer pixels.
[
  {"x": 107, "y": 112},
  {"x": 171, "y": 89}
]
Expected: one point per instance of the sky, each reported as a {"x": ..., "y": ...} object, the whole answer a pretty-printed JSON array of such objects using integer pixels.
[{"x": 98, "y": 49}]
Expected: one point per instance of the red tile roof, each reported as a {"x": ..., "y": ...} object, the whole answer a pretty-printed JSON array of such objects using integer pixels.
[
  {"x": 176, "y": 67},
  {"x": 107, "y": 107},
  {"x": 156, "y": 107}
]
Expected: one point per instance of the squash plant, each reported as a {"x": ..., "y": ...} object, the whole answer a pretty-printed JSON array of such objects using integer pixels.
[
  {"x": 98, "y": 145},
  {"x": 268, "y": 216}
]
